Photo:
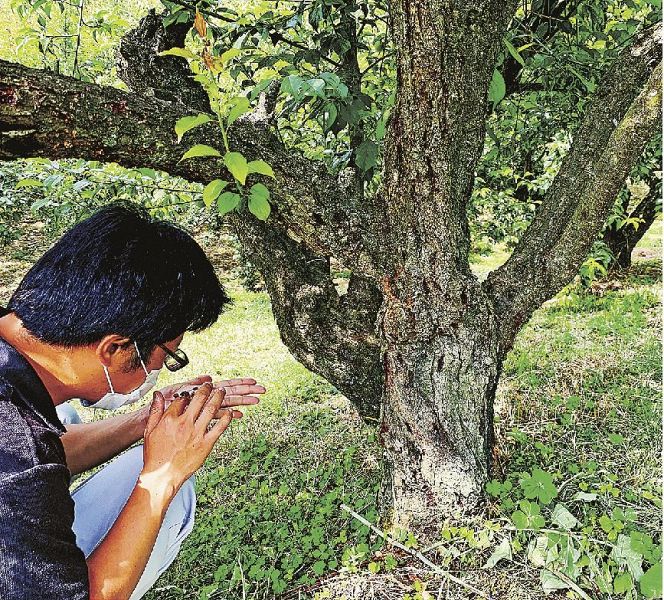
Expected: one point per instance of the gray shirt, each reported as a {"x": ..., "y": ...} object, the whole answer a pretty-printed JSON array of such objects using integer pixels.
[{"x": 39, "y": 557}]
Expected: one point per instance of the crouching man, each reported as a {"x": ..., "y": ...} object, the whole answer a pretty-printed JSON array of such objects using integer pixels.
[{"x": 96, "y": 318}]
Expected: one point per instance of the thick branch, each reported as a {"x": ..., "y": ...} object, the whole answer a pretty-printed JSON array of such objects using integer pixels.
[
  {"x": 331, "y": 335},
  {"x": 43, "y": 114},
  {"x": 445, "y": 56},
  {"x": 622, "y": 118}
]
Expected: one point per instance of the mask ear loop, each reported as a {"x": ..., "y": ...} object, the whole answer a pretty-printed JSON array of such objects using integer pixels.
[
  {"x": 108, "y": 378},
  {"x": 139, "y": 358}
]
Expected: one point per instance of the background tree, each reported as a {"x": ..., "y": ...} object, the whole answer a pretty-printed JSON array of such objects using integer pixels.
[{"x": 416, "y": 341}]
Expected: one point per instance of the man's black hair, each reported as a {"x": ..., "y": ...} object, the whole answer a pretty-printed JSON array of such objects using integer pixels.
[{"x": 120, "y": 271}]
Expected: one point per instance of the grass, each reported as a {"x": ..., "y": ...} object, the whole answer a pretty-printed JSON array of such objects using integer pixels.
[
  {"x": 578, "y": 420},
  {"x": 268, "y": 497}
]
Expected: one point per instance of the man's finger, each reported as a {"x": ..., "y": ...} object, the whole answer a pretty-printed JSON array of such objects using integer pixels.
[
  {"x": 236, "y": 413},
  {"x": 156, "y": 412},
  {"x": 235, "y": 381},
  {"x": 240, "y": 400},
  {"x": 212, "y": 435},
  {"x": 209, "y": 410},
  {"x": 244, "y": 389},
  {"x": 201, "y": 396},
  {"x": 177, "y": 406}
]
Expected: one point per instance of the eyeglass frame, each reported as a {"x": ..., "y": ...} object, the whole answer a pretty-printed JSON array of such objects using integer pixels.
[{"x": 182, "y": 361}]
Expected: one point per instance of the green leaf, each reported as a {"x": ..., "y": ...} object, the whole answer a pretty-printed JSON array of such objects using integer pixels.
[
  {"x": 622, "y": 583},
  {"x": 237, "y": 165},
  {"x": 514, "y": 52},
  {"x": 318, "y": 567},
  {"x": 380, "y": 129},
  {"x": 551, "y": 582},
  {"x": 585, "y": 497},
  {"x": 186, "y": 123},
  {"x": 537, "y": 522},
  {"x": 494, "y": 487},
  {"x": 537, "y": 553},
  {"x": 240, "y": 106},
  {"x": 374, "y": 567},
  {"x": 329, "y": 116},
  {"x": 625, "y": 556},
  {"x": 519, "y": 519},
  {"x": 589, "y": 85},
  {"x": 258, "y": 190},
  {"x": 563, "y": 518},
  {"x": 366, "y": 155},
  {"x": 261, "y": 167},
  {"x": 390, "y": 562},
  {"x": 200, "y": 150},
  {"x": 181, "y": 52},
  {"x": 496, "y": 88},
  {"x": 503, "y": 551},
  {"x": 606, "y": 523},
  {"x": 28, "y": 183},
  {"x": 40, "y": 203},
  {"x": 212, "y": 191},
  {"x": 227, "y": 202},
  {"x": 147, "y": 172},
  {"x": 259, "y": 87},
  {"x": 258, "y": 203},
  {"x": 539, "y": 485},
  {"x": 315, "y": 87},
  {"x": 651, "y": 582},
  {"x": 229, "y": 54},
  {"x": 291, "y": 85}
]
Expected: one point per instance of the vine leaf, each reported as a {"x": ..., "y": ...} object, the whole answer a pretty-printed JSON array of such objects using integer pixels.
[
  {"x": 237, "y": 165},
  {"x": 258, "y": 201},
  {"x": 366, "y": 155},
  {"x": 261, "y": 167},
  {"x": 227, "y": 202},
  {"x": 240, "y": 106},
  {"x": 200, "y": 150},
  {"x": 212, "y": 191},
  {"x": 497, "y": 88},
  {"x": 186, "y": 123}
]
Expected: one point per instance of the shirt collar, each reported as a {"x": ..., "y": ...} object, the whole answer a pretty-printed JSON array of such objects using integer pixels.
[{"x": 19, "y": 373}]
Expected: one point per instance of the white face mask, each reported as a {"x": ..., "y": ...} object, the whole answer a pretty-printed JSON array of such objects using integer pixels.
[{"x": 112, "y": 400}]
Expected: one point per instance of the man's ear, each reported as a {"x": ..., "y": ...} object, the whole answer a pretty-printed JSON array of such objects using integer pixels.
[{"x": 109, "y": 346}]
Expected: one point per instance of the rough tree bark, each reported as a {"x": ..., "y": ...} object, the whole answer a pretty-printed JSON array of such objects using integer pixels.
[{"x": 416, "y": 329}]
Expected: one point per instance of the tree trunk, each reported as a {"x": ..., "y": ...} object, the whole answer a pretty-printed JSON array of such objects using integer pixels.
[
  {"x": 441, "y": 366},
  {"x": 439, "y": 339},
  {"x": 622, "y": 241}
]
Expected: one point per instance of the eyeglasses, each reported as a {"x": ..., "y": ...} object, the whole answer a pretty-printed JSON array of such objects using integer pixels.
[{"x": 174, "y": 360}]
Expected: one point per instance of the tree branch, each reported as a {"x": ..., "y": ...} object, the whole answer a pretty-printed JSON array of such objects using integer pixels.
[
  {"x": 623, "y": 116},
  {"x": 49, "y": 115},
  {"x": 331, "y": 335}
]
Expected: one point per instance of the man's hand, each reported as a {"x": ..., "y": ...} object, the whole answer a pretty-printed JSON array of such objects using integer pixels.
[
  {"x": 238, "y": 392},
  {"x": 179, "y": 438}
]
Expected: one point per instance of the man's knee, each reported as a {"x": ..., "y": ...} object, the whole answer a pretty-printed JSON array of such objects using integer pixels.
[{"x": 186, "y": 501}]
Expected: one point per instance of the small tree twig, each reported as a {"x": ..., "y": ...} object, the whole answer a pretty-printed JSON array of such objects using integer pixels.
[{"x": 414, "y": 553}]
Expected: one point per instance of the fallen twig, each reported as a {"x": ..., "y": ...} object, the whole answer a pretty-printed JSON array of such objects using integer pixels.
[{"x": 414, "y": 553}]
